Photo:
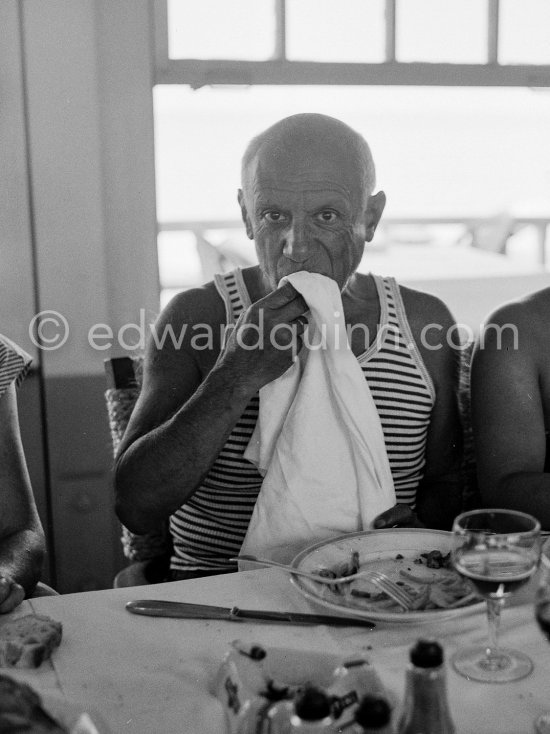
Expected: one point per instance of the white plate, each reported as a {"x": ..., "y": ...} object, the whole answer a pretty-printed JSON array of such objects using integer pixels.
[{"x": 380, "y": 547}]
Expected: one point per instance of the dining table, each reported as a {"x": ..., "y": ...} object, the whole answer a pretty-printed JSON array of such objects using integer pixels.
[{"x": 155, "y": 675}]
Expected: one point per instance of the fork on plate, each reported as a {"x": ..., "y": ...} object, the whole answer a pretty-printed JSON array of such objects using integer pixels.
[{"x": 378, "y": 579}]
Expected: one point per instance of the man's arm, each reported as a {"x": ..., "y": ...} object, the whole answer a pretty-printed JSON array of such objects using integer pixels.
[
  {"x": 183, "y": 417},
  {"x": 508, "y": 411},
  {"x": 439, "y": 495},
  {"x": 22, "y": 544}
]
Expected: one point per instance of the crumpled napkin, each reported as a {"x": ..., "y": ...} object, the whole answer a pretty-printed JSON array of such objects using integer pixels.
[{"x": 318, "y": 439}]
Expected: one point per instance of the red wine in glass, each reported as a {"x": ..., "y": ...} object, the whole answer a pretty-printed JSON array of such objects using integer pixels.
[
  {"x": 497, "y": 550},
  {"x": 497, "y": 572}
]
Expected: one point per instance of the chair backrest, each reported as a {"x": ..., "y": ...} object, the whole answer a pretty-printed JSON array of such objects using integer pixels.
[{"x": 123, "y": 386}]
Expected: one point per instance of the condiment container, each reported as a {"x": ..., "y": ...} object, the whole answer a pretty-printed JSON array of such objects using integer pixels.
[{"x": 425, "y": 707}]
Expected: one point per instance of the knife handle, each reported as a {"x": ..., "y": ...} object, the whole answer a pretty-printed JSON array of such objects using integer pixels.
[{"x": 161, "y": 608}]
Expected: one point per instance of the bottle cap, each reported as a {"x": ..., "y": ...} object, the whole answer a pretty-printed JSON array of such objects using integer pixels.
[
  {"x": 312, "y": 704},
  {"x": 426, "y": 654},
  {"x": 373, "y": 712}
]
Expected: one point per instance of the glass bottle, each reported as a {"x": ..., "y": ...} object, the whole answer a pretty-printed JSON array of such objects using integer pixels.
[{"x": 425, "y": 707}]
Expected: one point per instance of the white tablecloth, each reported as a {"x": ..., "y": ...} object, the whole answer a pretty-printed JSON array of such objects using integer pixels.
[{"x": 148, "y": 675}]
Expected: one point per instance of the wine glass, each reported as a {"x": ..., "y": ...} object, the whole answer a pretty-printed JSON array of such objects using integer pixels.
[
  {"x": 498, "y": 552},
  {"x": 542, "y": 615}
]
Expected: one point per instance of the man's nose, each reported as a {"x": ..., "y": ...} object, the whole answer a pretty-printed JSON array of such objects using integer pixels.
[{"x": 296, "y": 247}]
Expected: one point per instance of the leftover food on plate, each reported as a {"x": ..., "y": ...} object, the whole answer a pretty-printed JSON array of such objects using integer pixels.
[
  {"x": 428, "y": 577},
  {"x": 25, "y": 642}
]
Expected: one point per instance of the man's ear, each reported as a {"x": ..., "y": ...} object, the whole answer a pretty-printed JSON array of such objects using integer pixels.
[
  {"x": 244, "y": 215},
  {"x": 375, "y": 207}
]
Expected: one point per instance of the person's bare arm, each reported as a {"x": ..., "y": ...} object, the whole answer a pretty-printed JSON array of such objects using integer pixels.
[
  {"x": 22, "y": 544},
  {"x": 439, "y": 495},
  {"x": 508, "y": 412},
  {"x": 183, "y": 418}
]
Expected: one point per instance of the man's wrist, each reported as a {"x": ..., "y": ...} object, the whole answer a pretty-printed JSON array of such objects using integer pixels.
[{"x": 237, "y": 386}]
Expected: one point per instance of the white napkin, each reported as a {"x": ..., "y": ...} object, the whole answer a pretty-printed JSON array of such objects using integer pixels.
[{"x": 318, "y": 439}]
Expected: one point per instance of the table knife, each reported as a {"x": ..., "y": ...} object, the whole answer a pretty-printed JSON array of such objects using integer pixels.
[{"x": 184, "y": 610}]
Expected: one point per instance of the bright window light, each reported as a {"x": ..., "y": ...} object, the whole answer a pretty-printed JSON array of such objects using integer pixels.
[
  {"x": 217, "y": 29},
  {"x": 524, "y": 32},
  {"x": 454, "y": 31},
  {"x": 439, "y": 151},
  {"x": 335, "y": 30}
]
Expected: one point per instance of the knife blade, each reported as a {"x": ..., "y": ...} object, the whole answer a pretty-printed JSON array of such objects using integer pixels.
[{"x": 185, "y": 610}]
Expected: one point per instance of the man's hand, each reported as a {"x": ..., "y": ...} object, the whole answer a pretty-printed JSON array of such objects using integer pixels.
[
  {"x": 11, "y": 594},
  {"x": 267, "y": 337},
  {"x": 398, "y": 516}
]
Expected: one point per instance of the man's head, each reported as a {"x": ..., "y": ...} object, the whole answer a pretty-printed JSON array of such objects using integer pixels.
[{"x": 306, "y": 197}]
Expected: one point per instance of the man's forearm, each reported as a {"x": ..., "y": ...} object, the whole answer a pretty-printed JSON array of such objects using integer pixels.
[
  {"x": 159, "y": 471},
  {"x": 22, "y": 557}
]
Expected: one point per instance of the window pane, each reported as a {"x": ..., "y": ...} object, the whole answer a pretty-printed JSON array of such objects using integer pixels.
[
  {"x": 179, "y": 263},
  {"x": 440, "y": 152},
  {"x": 454, "y": 31},
  {"x": 524, "y": 32},
  {"x": 335, "y": 30},
  {"x": 217, "y": 29}
]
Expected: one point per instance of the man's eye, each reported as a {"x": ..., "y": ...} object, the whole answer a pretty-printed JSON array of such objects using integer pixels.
[
  {"x": 327, "y": 216},
  {"x": 274, "y": 216}
]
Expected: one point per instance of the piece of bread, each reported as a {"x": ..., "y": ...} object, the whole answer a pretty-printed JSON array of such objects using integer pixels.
[{"x": 27, "y": 641}]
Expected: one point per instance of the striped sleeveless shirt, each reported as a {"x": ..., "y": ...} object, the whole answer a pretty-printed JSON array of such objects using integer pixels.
[
  {"x": 14, "y": 364},
  {"x": 210, "y": 528}
]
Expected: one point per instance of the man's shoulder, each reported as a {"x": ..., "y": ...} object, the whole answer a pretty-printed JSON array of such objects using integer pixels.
[
  {"x": 194, "y": 306},
  {"x": 424, "y": 308},
  {"x": 531, "y": 310},
  {"x": 522, "y": 324}
]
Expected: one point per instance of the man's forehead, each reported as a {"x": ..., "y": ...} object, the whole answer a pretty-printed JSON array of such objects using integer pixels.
[{"x": 294, "y": 170}]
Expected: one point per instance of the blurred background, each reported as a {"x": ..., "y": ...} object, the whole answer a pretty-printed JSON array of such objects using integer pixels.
[{"x": 122, "y": 125}]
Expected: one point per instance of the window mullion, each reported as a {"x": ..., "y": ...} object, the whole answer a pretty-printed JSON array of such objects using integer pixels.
[
  {"x": 280, "y": 30},
  {"x": 492, "y": 31},
  {"x": 390, "y": 30}
]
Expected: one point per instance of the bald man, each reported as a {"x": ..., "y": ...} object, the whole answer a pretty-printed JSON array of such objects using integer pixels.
[{"x": 308, "y": 202}]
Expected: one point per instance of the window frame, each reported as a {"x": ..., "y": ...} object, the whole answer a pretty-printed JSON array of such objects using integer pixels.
[{"x": 280, "y": 71}]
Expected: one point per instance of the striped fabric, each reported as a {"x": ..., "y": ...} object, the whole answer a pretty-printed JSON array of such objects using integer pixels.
[
  {"x": 14, "y": 364},
  {"x": 210, "y": 528}
]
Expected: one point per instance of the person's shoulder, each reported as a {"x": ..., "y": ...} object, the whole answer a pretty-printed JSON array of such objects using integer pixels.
[
  {"x": 531, "y": 310},
  {"x": 521, "y": 325},
  {"x": 202, "y": 304},
  {"x": 188, "y": 330},
  {"x": 424, "y": 308}
]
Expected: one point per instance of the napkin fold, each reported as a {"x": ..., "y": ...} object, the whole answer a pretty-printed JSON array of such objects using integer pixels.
[{"x": 318, "y": 439}]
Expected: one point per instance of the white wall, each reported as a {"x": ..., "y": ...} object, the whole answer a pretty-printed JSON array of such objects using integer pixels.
[
  {"x": 16, "y": 265},
  {"x": 86, "y": 79},
  {"x": 77, "y": 236}
]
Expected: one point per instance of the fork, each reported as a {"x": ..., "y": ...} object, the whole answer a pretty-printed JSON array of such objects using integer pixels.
[{"x": 380, "y": 580}]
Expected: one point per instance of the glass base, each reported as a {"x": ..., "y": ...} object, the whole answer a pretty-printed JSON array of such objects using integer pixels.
[
  {"x": 506, "y": 666},
  {"x": 542, "y": 724}
]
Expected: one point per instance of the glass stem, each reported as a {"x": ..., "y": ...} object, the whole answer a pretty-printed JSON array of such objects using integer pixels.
[{"x": 493, "y": 620}]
